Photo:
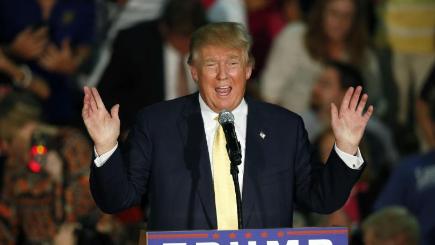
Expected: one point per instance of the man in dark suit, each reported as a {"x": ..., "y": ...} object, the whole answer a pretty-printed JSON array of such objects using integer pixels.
[
  {"x": 171, "y": 152},
  {"x": 144, "y": 62}
]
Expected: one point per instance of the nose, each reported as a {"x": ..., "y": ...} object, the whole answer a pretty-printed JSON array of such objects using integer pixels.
[{"x": 222, "y": 71}]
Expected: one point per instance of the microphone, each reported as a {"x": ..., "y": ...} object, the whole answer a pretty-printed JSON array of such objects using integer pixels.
[{"x": 226, "y": 120}]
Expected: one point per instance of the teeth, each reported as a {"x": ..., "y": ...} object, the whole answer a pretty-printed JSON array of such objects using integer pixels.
[{"x": 224, "y": 90}]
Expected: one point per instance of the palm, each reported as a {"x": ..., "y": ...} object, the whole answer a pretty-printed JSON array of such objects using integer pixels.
[
  {"x": 349, "y": 123},
  {"x": 102, "y": 126}
]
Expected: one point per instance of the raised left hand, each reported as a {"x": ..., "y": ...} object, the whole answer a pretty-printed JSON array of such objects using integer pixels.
[{"x": 349, "y": 123}]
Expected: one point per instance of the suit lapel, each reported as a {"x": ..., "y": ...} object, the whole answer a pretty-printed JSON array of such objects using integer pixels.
[
  {"x": 196, "y": 157},
  {"x": 254, "y": 158}
]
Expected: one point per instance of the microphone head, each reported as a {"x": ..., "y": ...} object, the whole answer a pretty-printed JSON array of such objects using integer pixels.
[{"x": 225, "y": 117}]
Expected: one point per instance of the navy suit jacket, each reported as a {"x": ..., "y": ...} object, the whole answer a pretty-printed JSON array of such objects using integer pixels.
[{"x": 168, "y": 160}]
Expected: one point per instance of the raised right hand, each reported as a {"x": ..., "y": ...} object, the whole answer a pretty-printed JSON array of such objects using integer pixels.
[{"x": 102, "y": 126}]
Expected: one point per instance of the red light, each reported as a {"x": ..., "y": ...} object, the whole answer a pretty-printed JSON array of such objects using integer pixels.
[
  {"x": 38, "y": 150},
  {"x": 34, "y": 166}
]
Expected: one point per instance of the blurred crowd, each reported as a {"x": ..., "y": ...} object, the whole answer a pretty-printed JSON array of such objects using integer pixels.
[{"x": 307, "y": 53}]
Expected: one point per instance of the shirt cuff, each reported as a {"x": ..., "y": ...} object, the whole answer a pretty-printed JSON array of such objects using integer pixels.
[
  {"x": 353, "y": 162},
  {"x": 100, "y": 160}
]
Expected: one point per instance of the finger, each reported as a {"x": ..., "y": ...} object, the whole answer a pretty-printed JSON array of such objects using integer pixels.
[
  {"x": 47, "y": 62},
  {"x": 40, "y": 33},
  {"x": 39, "y": 46},
  {"x": 52, "y": 49},
  {"x": 368, "y": 113},
  {"x": 47, "y": 57},
  {"x": 346, "y": 99},
  {"x": 66, "y": 44},
  {"x": 36, "y": 52},
  {"x": 86, "y": 90},
  {"x": 355, "y": 98},
  {"x": 44, "y": 62},
  {"x": 362, "y": 104},
  {"x": 334, "y": 113},
  {"x": 97, "y": 98},
  {"x": 87, "y": 110},
  {"x": 92, "y": 101},
  {"x": 26, "y": 32},
  {"x": 114, "y": 112},
  {"x": 51, "y": 57},
  {"x": 87, "y": 96}
]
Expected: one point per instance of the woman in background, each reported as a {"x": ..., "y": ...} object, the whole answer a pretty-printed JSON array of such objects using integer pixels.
[{"x": 335, "y": 31}]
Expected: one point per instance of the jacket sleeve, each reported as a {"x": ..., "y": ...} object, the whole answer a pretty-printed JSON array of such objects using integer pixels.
[
  {"x": 321, "y": 188},
  {"x": 122, "y": 181}
]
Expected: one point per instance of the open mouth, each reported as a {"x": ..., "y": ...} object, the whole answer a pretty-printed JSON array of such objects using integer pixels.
[{"x": 223, "y": 91}]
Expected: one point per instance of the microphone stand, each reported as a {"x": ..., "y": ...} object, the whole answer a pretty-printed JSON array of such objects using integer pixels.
[{"x": 235, "y": 173}]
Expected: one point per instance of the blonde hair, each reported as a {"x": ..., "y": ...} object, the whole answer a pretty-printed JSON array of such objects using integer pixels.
[{"x": 225, "y": 34}]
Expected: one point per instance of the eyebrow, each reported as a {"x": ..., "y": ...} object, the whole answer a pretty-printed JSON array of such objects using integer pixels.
[
  {"x": 232, "y": 57},
  {"x": 210, "y": 60}
]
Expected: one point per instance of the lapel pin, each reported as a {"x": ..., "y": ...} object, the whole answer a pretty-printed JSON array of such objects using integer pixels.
[{"x": 262, "y": 134}]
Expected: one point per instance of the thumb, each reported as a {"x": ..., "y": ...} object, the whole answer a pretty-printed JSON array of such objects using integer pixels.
[{"x": 114, "y": 112}]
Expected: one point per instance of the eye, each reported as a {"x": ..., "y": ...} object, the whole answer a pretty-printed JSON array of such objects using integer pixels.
[{"x": 234, "y": 63}]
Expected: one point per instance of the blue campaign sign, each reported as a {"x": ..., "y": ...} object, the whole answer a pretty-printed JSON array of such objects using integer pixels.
[{"x": 285, "y": 236}]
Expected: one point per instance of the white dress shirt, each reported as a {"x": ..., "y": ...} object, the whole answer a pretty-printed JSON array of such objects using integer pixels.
[{"x": 240, "y": 121}]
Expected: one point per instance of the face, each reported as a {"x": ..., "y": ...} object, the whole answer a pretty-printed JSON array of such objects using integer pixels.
[
  {"x": 179, "y": 41},
  {"x": 338, "y": 19},
  {"x": 221, "y": 74},
  {"x": 326, "y": 90}
]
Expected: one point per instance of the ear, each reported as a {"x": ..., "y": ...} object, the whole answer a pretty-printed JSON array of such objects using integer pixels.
[
  {"x": 248, "y": 72},
  {"x": 194, "y": 72}
]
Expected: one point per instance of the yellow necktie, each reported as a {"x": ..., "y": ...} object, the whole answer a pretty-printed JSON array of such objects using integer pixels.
[{"x": 225, "y": 196}]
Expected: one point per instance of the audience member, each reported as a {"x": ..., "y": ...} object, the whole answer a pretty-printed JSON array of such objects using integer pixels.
[
  {"x": 226, "y": 10},
  {"x": 335, "y": 31},
  {"x": 117, "y": 15},
  {"x": 52, "y": 37},
  {"x": 391, "y": 226},
  {"x": 423, "y": 112},
  {"x": 148, "y": 63},
  {"x": 410, "y": 34},
  {"x": 266, "y": 19},
  {"x": 412, "y": 185}
]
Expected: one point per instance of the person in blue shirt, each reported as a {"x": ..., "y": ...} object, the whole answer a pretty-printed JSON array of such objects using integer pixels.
[
  {"x": 53, "y": 38},
  {"x": 412, "y": 184}
]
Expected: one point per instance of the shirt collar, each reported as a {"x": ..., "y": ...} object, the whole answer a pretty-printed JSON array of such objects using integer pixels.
[{"x": 240, "y": 112}]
